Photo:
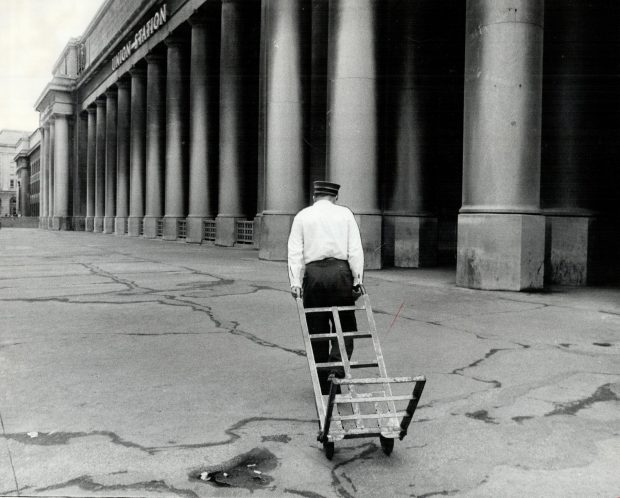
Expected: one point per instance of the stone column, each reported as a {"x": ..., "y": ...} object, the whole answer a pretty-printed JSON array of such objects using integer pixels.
[
  {"x": 574, "y": 121},
  {"x": 410, "y": 226},
  {"x": 353, "y": 133},
  {"x": 23, "y": 198},
  {"x": 137, "y": 150},
  {"x": 90, "y": 168},
  {"x": 176, "y": 136},
  {"x": 122, "y": 158},
  {"x": 50, "y": 176},
  {"x": 61, "y": 173},
  {"x": 100, "y": 165},
  {"x": 203, "y": 151},
  {"x": 110, "y": 160},
  {"x": 78, "y": 175},
  {"x": 155, "y": 131},
  {"x": 286, "y": 60},
  {"x": 501, "y": 235},
  {"x": 43, "y": 176},
  {"x": 238, "y": 106}
]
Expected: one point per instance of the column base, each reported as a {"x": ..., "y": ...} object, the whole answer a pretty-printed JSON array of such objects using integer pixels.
[
  {"x": 61, "y": 223},
  {"x": 98, "y": 224},
  {"x": 410, "y": 241},
  {"x": 78, "y": 223},
  {"x": 134, "y": 226},
  {"x": 50, "y": 223},
  {"x": 575, "y": 250},
  {"x": 195, "y": 230},
  {"x": 370, "y": 230},
  {"x": 120, "y": 225},
  {"x": 108, "y": 224},
  {"x": 42, "y": 222},
  {"x": 150, "y": 227},
  {"x": 89, "y": 224},
  {"x": 500, "y": 251},
  {"x": 258, "y": 230},
  {"x": 273, "y": 238},
  {"x": 226, "y": 230},
  {"x": 171, "y": 228}
]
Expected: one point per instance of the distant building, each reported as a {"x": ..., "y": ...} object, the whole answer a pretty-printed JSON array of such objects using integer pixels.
[
  {"x": 28, "y": 166},
  {"x": 8, "y": 171}
]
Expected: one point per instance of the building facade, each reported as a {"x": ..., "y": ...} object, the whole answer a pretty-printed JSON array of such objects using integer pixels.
[
  {"x": 9, "y": 140},
  {"x": 208, "y": 120},
  {"x": 28, "y": 163}
]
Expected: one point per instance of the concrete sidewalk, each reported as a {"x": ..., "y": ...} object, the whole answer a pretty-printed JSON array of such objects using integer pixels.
[{"x": 129, "y": 366}]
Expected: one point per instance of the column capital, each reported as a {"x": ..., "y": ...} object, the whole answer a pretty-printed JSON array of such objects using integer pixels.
[
  {"x": 111, "y": 92},
  {"x": 155, "y": 58},
  {"x": 176, "y": 40},
  {"x": 60, "y": 115},
  {"x": 91, "y": 109},
  {"x": 123, "y": 84},
  {"x": 137, "y": 71},
  {"x": 100, "y": 101},
  {"x": 199, "y": 20}
]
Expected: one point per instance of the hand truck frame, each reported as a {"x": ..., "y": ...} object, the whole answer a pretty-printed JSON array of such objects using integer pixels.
[{"x": 386, "y": 416}]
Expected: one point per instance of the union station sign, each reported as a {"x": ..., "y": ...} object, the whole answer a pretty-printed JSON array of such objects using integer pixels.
[{"x": 144, "y": 33}]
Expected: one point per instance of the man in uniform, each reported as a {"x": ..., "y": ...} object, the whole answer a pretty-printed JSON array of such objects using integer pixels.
[{"x": 325, "y": 245}]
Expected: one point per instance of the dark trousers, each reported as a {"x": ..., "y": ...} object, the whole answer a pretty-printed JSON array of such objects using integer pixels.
[{"x": 329, "y": 282}]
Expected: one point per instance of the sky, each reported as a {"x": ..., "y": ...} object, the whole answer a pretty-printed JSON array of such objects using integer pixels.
[{"x": 33, "y": 33}]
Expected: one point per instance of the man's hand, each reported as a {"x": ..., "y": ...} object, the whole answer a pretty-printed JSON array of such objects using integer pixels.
[
  {"x": 296, "y": 292},
  {"x": 357, "y": 291}
]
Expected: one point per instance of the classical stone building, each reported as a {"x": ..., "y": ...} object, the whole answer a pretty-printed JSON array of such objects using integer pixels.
[
  {"x": 208, "y": 120},
  {"x": 28, "y": 161},
  {"x": 9, "y": 140}
]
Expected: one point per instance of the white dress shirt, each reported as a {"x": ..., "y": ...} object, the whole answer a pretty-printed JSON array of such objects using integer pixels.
[{"x": 324, "y": 230}]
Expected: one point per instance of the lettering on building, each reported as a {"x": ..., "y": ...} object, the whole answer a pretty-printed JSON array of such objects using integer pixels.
[{"x": 144, "y": 33}]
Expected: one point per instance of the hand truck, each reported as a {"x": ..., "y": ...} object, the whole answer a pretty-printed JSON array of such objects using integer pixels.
[{"x": 383, "y": 418}]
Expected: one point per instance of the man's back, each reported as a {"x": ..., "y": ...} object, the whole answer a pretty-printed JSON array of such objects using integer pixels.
[{"x": 324, "y": 230}]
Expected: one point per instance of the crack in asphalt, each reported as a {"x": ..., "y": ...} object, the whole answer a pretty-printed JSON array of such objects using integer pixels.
[
  {"x": 336, "y": 483},
  {"x": 482, "y": 415},
  {"x": 62, "y": 438},
  {"x": 444, "y": 492},
  {"x": 306, "y": 494},
  {"x": 602, "y": 393},
  {"x": 170, "y": 300},
  {"x": 87, "y": 483}
]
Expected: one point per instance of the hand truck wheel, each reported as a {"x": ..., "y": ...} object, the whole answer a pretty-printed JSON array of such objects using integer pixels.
[
  {"x": 387, "y": 444},
  {"x": 328, "y": 446}
]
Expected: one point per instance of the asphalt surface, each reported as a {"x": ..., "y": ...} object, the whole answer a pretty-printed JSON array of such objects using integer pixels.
[{"x": 131, "y": 367}]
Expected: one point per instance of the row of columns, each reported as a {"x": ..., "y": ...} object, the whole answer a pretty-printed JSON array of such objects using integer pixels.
[
  {"x": 136, "y": 156},
  {"x": 147, "y": 160},
  {"x": 23, "y": 195},
  {"x": 54, "y": 194}
]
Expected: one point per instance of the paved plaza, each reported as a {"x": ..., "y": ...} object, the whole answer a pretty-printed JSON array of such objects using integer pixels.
[{"x": 129, "y": 367}]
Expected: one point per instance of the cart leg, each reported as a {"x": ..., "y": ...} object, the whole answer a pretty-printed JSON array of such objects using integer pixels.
[
  {"x": 387, "y": 444},
  {"x": 413, "y": 404},
  {"x": 328, "y": 446}
]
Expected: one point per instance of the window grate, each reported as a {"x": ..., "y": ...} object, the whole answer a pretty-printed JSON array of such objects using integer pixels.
[
  {"x": 182, "y": 229},
  {"x": 159, "y": 228},
  {"x": 208, "y": 230},
  {"x": 245, "y": 232}
]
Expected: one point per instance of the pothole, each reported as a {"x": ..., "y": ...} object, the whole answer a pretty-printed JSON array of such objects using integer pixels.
[{"x": 248, "y": 470}]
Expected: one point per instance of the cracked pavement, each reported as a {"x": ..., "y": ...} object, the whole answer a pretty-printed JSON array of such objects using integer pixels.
[{"x": 140, "y": 363}]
